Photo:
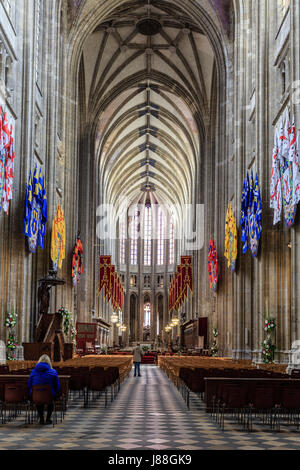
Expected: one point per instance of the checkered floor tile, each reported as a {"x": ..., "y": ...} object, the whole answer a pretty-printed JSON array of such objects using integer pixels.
[{"x": 148, "y": 413}]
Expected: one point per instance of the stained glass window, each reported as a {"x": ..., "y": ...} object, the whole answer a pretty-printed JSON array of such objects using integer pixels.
[
  {"x": 160, "y": 237},
  {"x": 122, "y": 241},
  {"x": 147, "y": 235},
  {"x": 147, "y": 315},
  {"x": 171, "y": 245},
  {"x": 134, "y": 238}
]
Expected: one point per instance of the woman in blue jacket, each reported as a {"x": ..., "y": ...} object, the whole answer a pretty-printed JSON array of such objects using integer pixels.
[{"x": 43, "y": 374}]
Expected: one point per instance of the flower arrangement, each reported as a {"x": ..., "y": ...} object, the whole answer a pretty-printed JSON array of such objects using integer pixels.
[
  {"x": 66, "y": 319},
  {"x": 11, "y": 319},
  {"x": 214, "y": 349},
  {"x": 215, "y": 332},
  {"x": 73, "y": 333},
  {"x": 268, "y": 346},
  {"x": 11, "y": 345},
  {"x": 268, "y": 351},
  {"x": 11, "y": 342},
  {"x": 270, "y": 325}
]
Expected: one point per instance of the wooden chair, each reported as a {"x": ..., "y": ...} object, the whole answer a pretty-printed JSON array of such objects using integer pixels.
[
  {"x": 15, "y": 399},
  {"x": 42, "y": 395}
]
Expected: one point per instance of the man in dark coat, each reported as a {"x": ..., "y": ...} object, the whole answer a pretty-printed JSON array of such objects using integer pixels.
[{"x": 43, "y": 374}]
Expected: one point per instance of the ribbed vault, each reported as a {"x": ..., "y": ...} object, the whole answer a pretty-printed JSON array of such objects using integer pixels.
[{"x": 148, "y": 72}]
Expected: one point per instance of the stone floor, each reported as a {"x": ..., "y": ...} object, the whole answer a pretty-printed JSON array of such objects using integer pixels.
[{"x": 149, "y": 413}]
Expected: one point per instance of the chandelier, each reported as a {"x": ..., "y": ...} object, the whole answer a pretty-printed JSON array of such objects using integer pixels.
[
  {"x": 114, "y": 318},
  {"x": 175, "y": 322}
]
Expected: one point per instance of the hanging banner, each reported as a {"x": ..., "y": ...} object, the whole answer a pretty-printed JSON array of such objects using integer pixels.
[
  {"x": 104, "y": 273},
  {"x": 187, "y": 266},
  {"x": 285, "y": 175},
  {"x": 251, "y": 213},
  {"x": 28, "y": 206},
  {"x": 176, "y": 291},
  {"x": 36, "y": 211},
  {"x": 213, "y": 266},
  {"x": 180, "y": 285},
  {"x": 111, "y": 282},
  {"x": 116, "y": 287},
  {"x": 111, "y": 293},
  {"x": 171, "y": 302},
  {"x": 121, "y": 296},
  {"x": 58, "y": 241},
  {"x": 7, "y": 157},
  {"x": 77, "y": 261},
  {"x": 181, "y": 281},
  {"x": 172, "y": 294},
  {"x": 231, "y": 238}
]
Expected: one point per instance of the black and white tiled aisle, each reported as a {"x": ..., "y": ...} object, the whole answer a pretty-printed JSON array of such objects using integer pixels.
[{"x": 148, "y": 413}]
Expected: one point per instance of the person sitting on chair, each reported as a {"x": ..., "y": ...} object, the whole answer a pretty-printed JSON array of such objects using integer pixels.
[
  {"x": 43, "y": 374},
  {"x": 137, "y": 358}
]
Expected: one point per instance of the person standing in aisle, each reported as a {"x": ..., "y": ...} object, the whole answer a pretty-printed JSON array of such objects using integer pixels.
[{"x": 137, "y": 358}]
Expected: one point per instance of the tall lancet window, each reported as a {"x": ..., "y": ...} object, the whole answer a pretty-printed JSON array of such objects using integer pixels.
[
  {"x": 171, "y": 245},
  {"x": 147, "y": 235},
  {"x": 160, "y": 237},
  {"x": 134, "y": 238},
  {"x": 147, "y": 315},
  {"x": 122, "y": 237}
]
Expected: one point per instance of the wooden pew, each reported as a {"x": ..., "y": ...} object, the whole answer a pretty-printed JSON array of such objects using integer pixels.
[
  {"x": 23, "y": 379},
  {"x": 212, "y": 385}
]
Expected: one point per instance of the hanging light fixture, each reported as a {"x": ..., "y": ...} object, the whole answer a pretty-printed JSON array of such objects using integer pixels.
[
  {"x": 114, "y": 318},
  {"x": 123, "y": 328}
]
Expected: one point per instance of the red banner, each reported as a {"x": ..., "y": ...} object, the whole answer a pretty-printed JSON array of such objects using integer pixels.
[
  {"x": 181, "y": 285},
  {"x": 105, "y": 263},
  {"x": 187, "y": 265},
  {"x": 176, "y": 290},
  {"x": 110, "y": 280},
  {"x": 121, "y": 296},
  {"x": 117, "y": 303},
  {"x": 182, "y": 280}
]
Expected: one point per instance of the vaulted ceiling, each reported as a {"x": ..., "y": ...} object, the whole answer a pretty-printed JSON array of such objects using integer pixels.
[{"x": 148, "y": 75}]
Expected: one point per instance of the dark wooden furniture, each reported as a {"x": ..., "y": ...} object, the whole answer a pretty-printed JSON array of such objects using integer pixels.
[
  {"x": 194, "y": 334},
  {"x": 23, "y": 379},
  {"x": 86, "y": 337},
  {"x": 213, "y": 384},
  {"x": 48, "y": 336}
]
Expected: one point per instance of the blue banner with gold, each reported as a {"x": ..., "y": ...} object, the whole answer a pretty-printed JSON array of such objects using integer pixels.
[
  {"x": 251, "y": 215},
  {"x": 36, "y": 211}
]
